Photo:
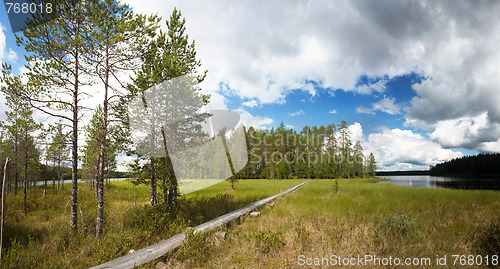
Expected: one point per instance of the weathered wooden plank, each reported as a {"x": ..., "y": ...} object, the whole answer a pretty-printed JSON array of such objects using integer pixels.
[{"x": 156, "y": 251}]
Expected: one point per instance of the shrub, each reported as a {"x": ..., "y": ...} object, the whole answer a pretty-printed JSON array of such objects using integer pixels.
[
  {"x": 265, "y": 241},
  {"x": 487, "y": 239},
  {"x": 302, "y": 235},
  {"x": 395, "y": 229},
  {"x": 195, "y": 248},
  {"x": 336, "y": 186}
]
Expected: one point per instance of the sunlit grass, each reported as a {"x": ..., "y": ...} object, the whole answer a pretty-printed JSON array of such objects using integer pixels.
[
  {"x": 42, "y": 238},
  {"x": 361, "y": 218}
]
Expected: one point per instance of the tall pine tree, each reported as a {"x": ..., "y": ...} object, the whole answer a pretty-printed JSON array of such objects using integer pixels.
[
  {"x": 118, "y": 35},
  {"x": 57, "y": 70},
  {"x": 170, "y": 55}
]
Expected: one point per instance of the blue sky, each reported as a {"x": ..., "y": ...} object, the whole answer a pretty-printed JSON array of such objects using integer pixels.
[
  {"x": 417, "y": 82},
  {"x": 325, "y": 105}
]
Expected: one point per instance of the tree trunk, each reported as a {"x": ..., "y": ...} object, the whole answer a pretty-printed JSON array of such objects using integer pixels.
[
  {"x": 45, "y": 178},
  {"x": 153, "y": 170},
  {"x": 25, "y": 172},
  {"x": 100, "y": 208},
  {"x": 3, "y": 206},
  {"x": 153, "y": 182},
  {"x": 95, "y": 184},
  {"x": 172, "y": 180},
  {"x": 59, "y": 173},
  {"x": 172, "y": 190},
  {"x": 166, "y": 163},
  {"x": 102, "y": 152},
  {"x": 228, "y": 156},
  {"x": 74, "y": 167},
  {"x": 54, "y": 179},
  {"x": 165, "y": 182},
  {"x": 15, "y": 164}
]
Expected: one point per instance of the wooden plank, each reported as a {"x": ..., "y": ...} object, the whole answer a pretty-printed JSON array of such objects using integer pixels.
[{"x": 156, "y": 251}]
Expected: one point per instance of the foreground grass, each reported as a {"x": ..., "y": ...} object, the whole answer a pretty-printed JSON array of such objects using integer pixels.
[
  {"x": 359, "y": 218},
  {"x": 42, "y": 237}
]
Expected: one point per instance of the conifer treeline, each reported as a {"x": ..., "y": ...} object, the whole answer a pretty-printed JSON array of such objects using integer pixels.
[
  {"x": 314, "y": 152},
  {"x": 480, "y": 165}
]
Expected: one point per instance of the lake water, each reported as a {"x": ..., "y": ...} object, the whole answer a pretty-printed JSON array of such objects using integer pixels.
[
  {"x": 49, "y": 182},
  {"x": 444, "y": 182}
]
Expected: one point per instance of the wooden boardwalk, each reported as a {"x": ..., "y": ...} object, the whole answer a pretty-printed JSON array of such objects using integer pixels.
[{"x": 156, "y": 251}]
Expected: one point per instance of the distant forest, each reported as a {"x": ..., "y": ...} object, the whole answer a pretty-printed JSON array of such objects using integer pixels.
[
  {"x": 404, "y": 173},
  {"x": 313, "y": 152},
  {"x": 480, "y": 165}
]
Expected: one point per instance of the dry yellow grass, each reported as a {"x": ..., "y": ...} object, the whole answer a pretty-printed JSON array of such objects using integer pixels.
[{"x": 362, "y": 218}]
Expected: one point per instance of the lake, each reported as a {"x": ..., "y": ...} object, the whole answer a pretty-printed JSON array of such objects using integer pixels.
[
  {"x": 444, "y": 182},
  {"x": 67, "y": 181}
]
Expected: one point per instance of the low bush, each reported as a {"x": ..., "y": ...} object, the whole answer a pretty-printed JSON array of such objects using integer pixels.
[
  {"x": 265, "y": 241},
  {"x": 487, "y": 239},
  {"x": 394, "y": 230}
]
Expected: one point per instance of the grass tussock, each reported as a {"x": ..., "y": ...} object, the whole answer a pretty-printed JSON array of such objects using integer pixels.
[
  {"x": 487, "y": 238},
  {"x": 391, "y": 231}
]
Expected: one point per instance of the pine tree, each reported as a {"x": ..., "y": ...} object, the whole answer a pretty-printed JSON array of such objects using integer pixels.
[
  {"x": 91, "y": 157},
  {"x": 358, "y": 159},
  {"x": 372, "y": 165},
  {"x": 345, "y": 148},
  {"x": 22, "y": 126},
  {"x": 118, "y": 36},
  {"x": 57, "y": 70},
  {"x": 170, "y": 56},
  {"x": 58, "y": 151}
]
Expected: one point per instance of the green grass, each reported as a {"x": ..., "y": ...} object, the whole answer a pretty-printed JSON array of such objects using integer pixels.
[
  {"x": 360, "y": 218},
  {"x": 42, "y": 238}
]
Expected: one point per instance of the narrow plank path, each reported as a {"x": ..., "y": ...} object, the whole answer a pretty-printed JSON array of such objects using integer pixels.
[{"x": 156, "y": 251}]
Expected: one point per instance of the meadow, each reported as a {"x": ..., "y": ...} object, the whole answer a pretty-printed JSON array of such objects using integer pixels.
[
  {"x": 358, "y": 217},
  {"x": 320, "y": 219},
  {"x": 42, "y": 237}
]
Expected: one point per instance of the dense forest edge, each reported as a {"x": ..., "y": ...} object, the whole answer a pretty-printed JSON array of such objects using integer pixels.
[
  {"x": 404, "y": 173},
  {"x": 482, "y": 165}
]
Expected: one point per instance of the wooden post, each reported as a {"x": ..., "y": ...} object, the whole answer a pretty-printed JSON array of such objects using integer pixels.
[{"x": 3, "y": 203}]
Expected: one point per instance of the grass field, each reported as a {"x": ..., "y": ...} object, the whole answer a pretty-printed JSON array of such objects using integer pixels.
[
  {"x": 42, "y": 237},
  {"x": 317, "y": 220},
  {"x": 361, "y": 218}
]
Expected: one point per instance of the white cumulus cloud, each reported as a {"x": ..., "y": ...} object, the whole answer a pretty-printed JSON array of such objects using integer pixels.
[
  {"x": 251, "y": 103},
  {"x": 257, "y": 122},
  {"x": 398, "y": 149},
  {"x": 379, "y": 87},
  {"x": 297, "y": 113},
  {"x": 356, "y": 132},
  {"x": 468, "y": 132},
  {"x": 387, "y": 105},
  {"x": 365, "y": 110}
]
